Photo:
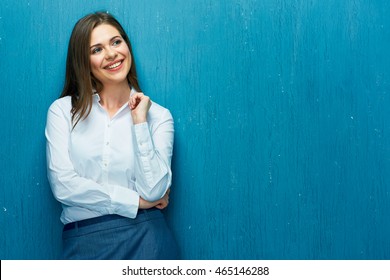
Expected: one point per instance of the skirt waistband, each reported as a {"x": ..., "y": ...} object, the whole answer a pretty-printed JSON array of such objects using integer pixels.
[{"x": 100, "y": 219}]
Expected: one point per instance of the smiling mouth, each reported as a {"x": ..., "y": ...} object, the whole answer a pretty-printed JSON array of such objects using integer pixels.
[{"x": 115, "y": 65}]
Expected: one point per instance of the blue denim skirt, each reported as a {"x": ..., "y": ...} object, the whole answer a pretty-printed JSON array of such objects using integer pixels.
[{"x": 113, "y": 237}]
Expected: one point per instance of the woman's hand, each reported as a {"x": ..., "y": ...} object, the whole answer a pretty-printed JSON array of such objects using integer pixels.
[
  {"x": 163, "y": 202},
  {"x": 160, "y": 204},
  {"x": 139, "y": 105}
]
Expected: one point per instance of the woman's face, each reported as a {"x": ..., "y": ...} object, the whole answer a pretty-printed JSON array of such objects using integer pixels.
[{"x": 109, "y": 55}]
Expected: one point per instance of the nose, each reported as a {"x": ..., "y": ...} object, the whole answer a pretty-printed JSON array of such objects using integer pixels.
[{"x": 111, "y": 54}]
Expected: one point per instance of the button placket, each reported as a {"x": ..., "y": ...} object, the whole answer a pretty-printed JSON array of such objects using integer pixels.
[{"x": 106, "y": 149}]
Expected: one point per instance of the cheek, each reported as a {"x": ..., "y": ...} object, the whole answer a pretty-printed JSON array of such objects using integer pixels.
[
  {"x": 126, "y": 51},
  {"x": 95, "y": 63},
  {"x": 129, "y": 58}
]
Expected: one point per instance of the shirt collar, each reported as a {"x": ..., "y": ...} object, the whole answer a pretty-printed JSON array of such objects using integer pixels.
[{"x": 96, "y": 96}]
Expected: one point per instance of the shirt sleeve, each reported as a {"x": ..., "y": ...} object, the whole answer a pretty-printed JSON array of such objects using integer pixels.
[
  {"x": 73, "y": 190},
  {"x": 153, "y": 157}
]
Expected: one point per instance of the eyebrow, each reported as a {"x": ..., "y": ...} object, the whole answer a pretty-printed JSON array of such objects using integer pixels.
[{"x": 99, "y": 44}]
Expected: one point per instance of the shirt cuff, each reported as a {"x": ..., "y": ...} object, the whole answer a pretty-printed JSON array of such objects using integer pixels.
[
  {"x": 124, "y": 202},
  {"x": 144, "y": 140}
]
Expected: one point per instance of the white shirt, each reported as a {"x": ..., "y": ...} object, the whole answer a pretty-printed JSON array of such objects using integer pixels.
[{"x": 105, "y": 164}]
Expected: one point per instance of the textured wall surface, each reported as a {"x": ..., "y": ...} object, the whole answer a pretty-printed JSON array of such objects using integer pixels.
[{"x": 281, "y": 107}]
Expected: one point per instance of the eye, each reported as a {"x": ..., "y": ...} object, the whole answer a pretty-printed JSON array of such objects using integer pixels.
[
  {"x": 117, "y": 42},
  {"x": 96, "y": 50}
]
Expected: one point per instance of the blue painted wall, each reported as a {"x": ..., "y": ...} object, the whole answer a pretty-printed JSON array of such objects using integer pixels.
[{"x": 282, "y": 110}]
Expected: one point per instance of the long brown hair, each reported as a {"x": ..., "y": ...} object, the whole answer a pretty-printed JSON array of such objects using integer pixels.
[{"x": 79, "y": 82}]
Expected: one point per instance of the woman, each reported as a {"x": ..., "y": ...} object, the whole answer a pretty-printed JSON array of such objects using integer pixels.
[{"x": 109, "y": 151}]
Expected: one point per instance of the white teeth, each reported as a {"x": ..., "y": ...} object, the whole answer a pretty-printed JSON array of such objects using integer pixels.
[{"x": 114, "y": 65}]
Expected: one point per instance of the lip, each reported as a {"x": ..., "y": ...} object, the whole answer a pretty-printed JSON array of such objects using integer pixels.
[{"x": 116, "y": 68}]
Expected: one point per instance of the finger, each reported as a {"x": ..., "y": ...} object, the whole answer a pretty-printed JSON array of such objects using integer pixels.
[
  {"x": 137, "y": 95},
  {"x": 134, "y": 101},
  {"x": 162, "y": 204},
  {"x": 131, "y": 101}
]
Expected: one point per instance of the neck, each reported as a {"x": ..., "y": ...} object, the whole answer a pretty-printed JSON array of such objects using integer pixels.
[{"x": 112, "y": 97}]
